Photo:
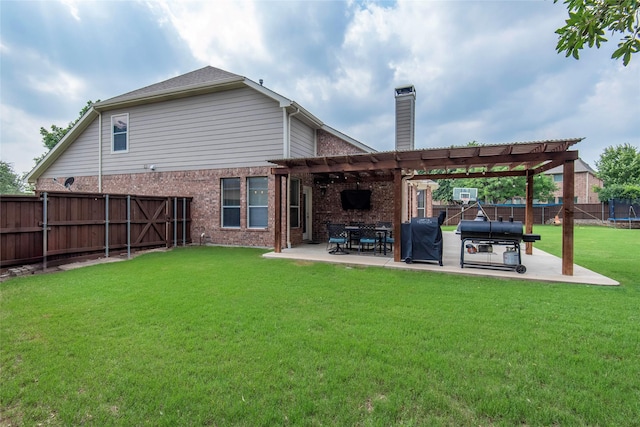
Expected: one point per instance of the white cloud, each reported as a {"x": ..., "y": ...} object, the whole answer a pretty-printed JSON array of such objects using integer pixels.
[
  {"x": 56, "y": 82},
  {"x": 219, "y": 32},
  {"x": 21, "y": 140},
  {"x": 73, "y": 8}
]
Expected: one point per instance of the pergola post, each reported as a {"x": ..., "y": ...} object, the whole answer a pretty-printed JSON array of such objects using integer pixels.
[
  {"x": 277, "y": 228},
  {"x": 397, "y": 213},
  {"x": 528, "y": 212},
  {"x": 567, "y": 217}
]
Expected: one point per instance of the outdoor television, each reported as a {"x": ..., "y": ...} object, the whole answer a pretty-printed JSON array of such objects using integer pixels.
[{"x": 356, "y": 199}]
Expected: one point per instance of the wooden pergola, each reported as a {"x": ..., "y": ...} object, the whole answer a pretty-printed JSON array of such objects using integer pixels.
[{"x": 518, "y": 159}]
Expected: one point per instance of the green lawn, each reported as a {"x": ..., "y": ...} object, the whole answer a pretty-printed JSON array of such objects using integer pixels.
[{"x": 221, "y": 336}]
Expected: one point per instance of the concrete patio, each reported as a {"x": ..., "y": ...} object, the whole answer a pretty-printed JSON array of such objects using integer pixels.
[{"x": 541, "y": 266}]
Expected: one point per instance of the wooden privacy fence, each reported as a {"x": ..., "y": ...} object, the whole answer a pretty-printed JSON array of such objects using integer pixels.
[
  {"x": 542, "y": 214},
  {"x": 57, "y": 227}
]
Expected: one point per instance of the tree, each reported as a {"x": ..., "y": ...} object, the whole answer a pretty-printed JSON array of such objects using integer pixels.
[
  {"x": 444, "y": 192},
  {"x": 619, "y": 170},
  {"x": 589, "y": 19},
  {"x": 10, "y": 181},
  {"x": 498, "y": 190},
  {"x": 51, "y": 138},
  {"x": 495, "y": 190}
]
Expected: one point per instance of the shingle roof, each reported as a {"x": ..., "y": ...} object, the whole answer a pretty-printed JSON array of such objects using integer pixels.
[{"x": 204, "y": 75}]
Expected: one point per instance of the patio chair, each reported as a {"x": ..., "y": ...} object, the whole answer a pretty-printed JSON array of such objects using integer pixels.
[
  {"x": 354, "y": 235},
  {"x": 386, "y": 239},
  {"x": 368, "y": 237},
  {"x": 337, "y": 238}
]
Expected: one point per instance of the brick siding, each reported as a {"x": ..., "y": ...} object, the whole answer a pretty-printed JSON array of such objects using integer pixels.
[
  {"x": 330, "y": 145},
  {"x": 583, "y": 188}
]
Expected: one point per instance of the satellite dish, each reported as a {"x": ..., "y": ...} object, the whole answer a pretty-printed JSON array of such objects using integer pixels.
[{"x": 69, "y": 182}]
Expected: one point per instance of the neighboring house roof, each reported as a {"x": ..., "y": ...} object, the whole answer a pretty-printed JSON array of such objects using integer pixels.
[
  {"x": 205, "y": 80},
  {"x": 580, "y": 166}
]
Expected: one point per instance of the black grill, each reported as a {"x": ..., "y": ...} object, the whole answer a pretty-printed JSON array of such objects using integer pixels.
[
  {"x": 492, "y": 230},
  {"x": 482, "y": 234}
]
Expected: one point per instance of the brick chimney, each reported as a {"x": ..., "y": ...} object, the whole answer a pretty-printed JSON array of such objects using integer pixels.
[{"x": 405, "y": 117}]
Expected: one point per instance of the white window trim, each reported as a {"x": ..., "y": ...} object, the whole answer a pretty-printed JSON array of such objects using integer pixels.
[
  {"x": 295, "y": 204},
  {"x": 249, "y": 205},
  {"x": 223, "y": 206},
  {"x": 111, "y": 131}
]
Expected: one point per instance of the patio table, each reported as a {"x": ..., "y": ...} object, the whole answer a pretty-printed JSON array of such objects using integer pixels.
[{"x": 383, "y": 230}]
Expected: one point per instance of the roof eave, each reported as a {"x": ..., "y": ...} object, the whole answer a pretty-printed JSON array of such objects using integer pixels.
[{"x": 184, "y": 91}]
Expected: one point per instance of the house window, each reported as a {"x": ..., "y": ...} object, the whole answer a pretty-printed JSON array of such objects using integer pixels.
[
  {"x": 421, "y": 196},
  {"x": 231, "y": 202},
  {"x": 294, "y": 198},
  {"x": 257, "y": 201},
  {"x": 557, "y": 177},
  {"x": 120, "y": 133}
]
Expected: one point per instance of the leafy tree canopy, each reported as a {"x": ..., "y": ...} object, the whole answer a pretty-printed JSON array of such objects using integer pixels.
[
  {"x": 10, "y": 181},
  {"x": 619, "y": 170},
  {"x": 589, "y": 19},
  {"x": 498, "y": 190}
]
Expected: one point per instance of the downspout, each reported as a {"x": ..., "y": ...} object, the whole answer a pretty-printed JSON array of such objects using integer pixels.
[
  {"x": 99, "y": 152},
  {"x": 288, "y": 211},
  {"x": 287, "y": 155}
]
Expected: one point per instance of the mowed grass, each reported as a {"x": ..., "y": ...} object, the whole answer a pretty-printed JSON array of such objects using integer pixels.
[{"x": 221, "y": 336}]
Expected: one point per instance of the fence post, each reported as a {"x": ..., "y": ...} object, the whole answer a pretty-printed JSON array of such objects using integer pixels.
[
  {"x": 45, "y": 225},
  {"x": 128, "y": 226},
  {"x": 175, "y": 222},
  {"x": 184, "y": 221},
  {"x": 106, "y": 226}
]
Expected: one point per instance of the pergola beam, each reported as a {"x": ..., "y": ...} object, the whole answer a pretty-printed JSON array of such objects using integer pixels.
[
  {"x": 414, "y": 161},
  {"x": 567, "y": 217}
]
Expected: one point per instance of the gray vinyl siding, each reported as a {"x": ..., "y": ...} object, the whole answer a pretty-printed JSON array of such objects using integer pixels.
[
  {"x": 80, "y": 158},
  {"x": 302, "y": 139},
  {"x": 236, "y": 128}
]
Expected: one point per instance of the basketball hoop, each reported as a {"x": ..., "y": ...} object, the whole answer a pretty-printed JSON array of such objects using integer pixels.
[{"x": 465, "y": 195}]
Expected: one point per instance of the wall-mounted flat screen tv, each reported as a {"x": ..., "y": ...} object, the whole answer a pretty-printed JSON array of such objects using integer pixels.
[{"x": 356, "y": 199}]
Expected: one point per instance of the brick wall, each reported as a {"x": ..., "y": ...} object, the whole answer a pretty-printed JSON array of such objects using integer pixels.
[
  {"x": 328, "y": 206},
  {"x": 330, "y": 145},
  {"x": 583, "y": 188},
  {"x": 202, "y": 185}
]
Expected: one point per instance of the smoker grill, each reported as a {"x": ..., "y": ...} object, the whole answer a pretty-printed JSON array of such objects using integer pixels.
[
  {"x": 482, "y": 234},
  {"x": 421, "y": 239}
]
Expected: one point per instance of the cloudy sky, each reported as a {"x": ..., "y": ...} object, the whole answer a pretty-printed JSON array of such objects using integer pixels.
[{"x": 484, "y": 71}]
